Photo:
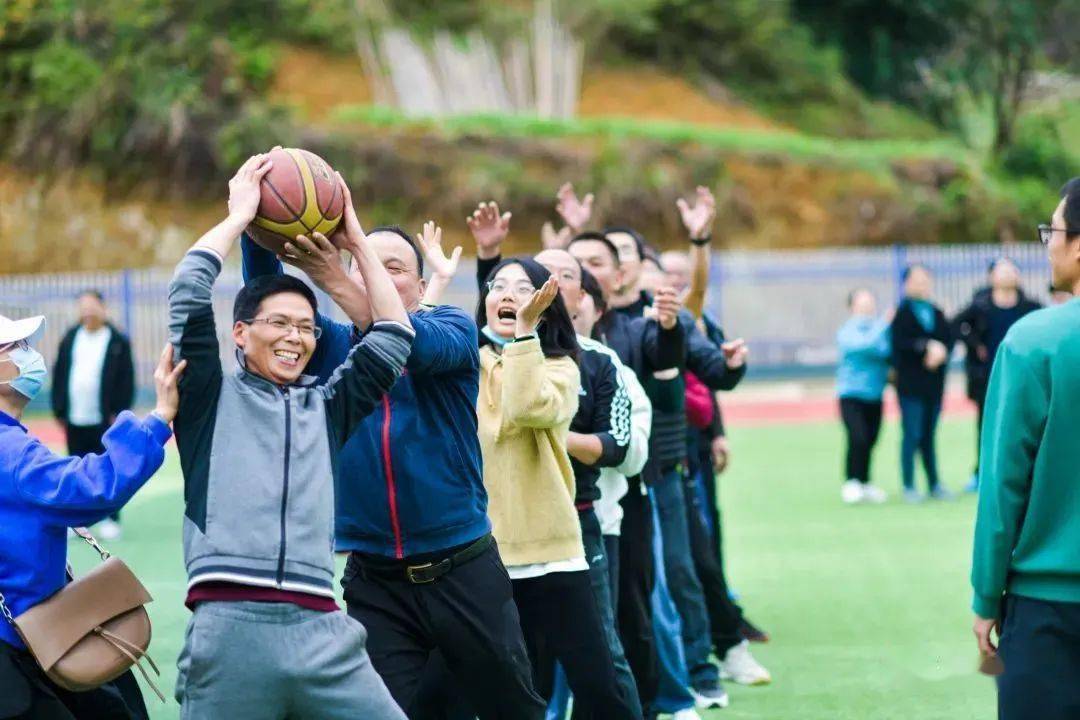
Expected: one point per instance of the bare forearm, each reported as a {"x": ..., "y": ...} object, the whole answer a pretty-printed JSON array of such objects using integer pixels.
[
  {"x": 584, "y": 448},
  {"x": 699, "y": 279},
  {"x": 350, "y": 299},
  {"x": 222, "y": 237},
  {"x": 382, "y": 296}
]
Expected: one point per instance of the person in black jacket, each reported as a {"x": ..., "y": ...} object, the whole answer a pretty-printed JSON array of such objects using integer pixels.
[
  {"x": 921, "y": 342},
  {"x": 94, "y": 383},
  {"x": 981, "y": 326}
]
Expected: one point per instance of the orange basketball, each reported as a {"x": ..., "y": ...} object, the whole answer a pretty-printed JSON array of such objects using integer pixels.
[{"x": 300, "y": 196}]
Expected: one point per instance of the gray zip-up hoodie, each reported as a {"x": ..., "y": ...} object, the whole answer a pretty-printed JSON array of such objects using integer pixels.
[{"x": 259, "y": 459}]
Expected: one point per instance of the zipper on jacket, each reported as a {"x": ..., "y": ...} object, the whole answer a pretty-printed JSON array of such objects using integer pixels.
[
  {"x": 285, "y": 486},
  {"x": 391, "y": 491}
]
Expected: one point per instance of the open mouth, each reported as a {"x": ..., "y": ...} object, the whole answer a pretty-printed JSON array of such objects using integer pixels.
[
  {"x": 507, "y": 313},
  {"x": 287, "y": 357}
]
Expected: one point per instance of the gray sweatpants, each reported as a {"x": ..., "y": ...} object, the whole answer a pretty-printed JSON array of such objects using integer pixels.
[{"x": 277, "y": 661}]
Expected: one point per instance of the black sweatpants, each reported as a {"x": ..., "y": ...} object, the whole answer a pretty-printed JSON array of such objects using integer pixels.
[
  {"x": 636, "y": 576},
  {"x": 560, "y": 620},
  {"x": 27, "y": 694},
  {"x": 468, "y": 615},
  {"x": 1040, "y": 648},
  {"x": 86, "y": 440},
  {"x": 862, "y": 421},
  {"x": 977, "y": 393}
]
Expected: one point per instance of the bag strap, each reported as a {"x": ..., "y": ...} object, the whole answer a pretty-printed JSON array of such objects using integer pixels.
[{"x": 86, "y": 535}]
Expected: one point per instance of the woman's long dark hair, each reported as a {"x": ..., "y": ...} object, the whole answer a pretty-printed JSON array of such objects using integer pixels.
[{"x": 556, "y": 330}]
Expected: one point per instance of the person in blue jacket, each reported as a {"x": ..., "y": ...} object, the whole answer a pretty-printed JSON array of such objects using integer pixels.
[
  {"x": 43, "y": 494},
  {"x": 424, "y": 573},
  {"x": 865, "y": 349}
]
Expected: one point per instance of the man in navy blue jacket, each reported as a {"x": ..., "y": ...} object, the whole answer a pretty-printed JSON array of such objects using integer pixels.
[{"x": 424, "y": 572}]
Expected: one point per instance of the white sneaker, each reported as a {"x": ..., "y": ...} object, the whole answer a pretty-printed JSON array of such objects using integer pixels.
[
  {"x": 740, "y": 666},
  {"x": 109, "y": 530},
  {"x": 707, "y": 699},
  {"x": 852, "y": 492},
  {"x": 685, "y": 714},
  {"x": 874, "y": 494}
]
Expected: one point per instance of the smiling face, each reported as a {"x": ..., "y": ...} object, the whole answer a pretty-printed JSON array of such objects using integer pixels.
[
  {"x": 278, "y": 355},
  {"x": 598, "y": 260},
  {"x": 399, "y": 259},
  {"x": 508, "y": 291},
  {"x": 567, "y": 271}
]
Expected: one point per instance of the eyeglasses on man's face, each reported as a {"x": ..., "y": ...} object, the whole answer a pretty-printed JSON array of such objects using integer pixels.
[
  {"x": 1046, "y": 232},
  {"x": 283, "y": 325}
]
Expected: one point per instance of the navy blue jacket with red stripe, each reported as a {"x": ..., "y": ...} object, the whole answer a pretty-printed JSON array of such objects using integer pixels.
[{"x": 409, "y": 478}]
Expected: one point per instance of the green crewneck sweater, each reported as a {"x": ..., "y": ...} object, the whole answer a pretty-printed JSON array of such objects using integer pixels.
[{"x": 1027, "y": 533}]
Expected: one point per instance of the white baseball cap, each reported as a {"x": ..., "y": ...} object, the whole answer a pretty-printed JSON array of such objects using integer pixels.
[{"x": 16, "y": 330}]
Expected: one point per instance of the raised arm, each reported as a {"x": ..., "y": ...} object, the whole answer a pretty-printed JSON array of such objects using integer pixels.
[
  {"x": 698, "y": 220},
  {"x": 574, "y": 212},
  {"x": 443, "y": 269},
  {"x": 489, "y": 229}
]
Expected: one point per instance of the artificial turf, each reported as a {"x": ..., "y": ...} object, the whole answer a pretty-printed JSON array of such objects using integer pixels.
[{"x": 867, "y": 606}]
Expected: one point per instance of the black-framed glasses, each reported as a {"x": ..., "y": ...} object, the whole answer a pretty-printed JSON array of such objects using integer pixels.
[
  {"x": 1047, "y": 231},
  {"x": 284, "y": 325}
]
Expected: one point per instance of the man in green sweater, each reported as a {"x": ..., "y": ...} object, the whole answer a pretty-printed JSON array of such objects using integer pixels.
[{"x": 1026, "y": 566}]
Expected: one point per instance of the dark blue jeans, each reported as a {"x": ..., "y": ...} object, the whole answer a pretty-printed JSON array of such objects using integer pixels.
[
  {"x": 682, "y": 577},
  {"x": 919, "y": 418}
]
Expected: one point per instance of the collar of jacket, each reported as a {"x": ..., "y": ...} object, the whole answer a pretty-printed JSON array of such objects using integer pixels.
[
  {"x": 6, "y": 419},
  {"x": 257, "y": 381}
]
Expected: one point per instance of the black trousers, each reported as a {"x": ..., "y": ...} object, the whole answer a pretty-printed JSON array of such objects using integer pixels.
[
  {"x": 637, "y": 575},
  {"x": 86, "y": 440},
  {"x": 977, "y": 393},
  {"x": 1040, "y": 648},
  {"x": 560, "y": 619},
  {"x": 27, "y": 694},
  {"x": 468, "y": 616},
  {"x": 725, "y": 617},
  {"x": 862, "y": 420}
]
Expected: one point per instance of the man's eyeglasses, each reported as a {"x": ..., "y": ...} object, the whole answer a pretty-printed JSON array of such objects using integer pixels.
[
  {"x": 284, "y": 325},
  {"x": 1046, "y": 232},
  {"x": 522, "y": 290}
]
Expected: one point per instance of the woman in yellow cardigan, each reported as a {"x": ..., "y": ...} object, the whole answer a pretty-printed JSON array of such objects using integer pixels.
[{"x": 529, "y": 385}]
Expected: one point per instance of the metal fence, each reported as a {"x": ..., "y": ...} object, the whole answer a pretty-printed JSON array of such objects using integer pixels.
[{"x": 786, "y": 303}]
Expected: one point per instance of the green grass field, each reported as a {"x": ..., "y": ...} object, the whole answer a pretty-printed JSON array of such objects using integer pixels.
[{"x": 867, "y": 606}]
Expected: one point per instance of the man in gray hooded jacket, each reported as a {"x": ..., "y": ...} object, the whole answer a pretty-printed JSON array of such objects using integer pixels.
[{"x": 257, "y": 448}]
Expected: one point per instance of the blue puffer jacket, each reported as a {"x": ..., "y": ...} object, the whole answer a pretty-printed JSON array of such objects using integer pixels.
[
  {"x": 409, "y": 478},
  {"x": 43, "y": 494}
]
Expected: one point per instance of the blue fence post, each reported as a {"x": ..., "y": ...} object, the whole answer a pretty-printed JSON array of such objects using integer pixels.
[
  {"x": 128, "y": 298},
  {"x": 899, "y": 258}
]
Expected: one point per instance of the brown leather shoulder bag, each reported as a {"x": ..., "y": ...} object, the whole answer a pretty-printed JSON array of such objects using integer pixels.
[{"x": 94, "y": 629}]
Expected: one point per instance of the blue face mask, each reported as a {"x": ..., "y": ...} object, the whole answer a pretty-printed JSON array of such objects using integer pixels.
[
  {"x": 496, "y": 340},
  {"x": 32, "y": 371}
]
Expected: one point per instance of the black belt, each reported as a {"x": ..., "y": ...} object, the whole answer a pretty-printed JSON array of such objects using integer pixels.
[{"x": 427, "y": 572}]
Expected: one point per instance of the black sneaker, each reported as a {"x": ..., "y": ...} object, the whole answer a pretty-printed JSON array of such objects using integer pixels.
[{"x": 751, "y": 632}]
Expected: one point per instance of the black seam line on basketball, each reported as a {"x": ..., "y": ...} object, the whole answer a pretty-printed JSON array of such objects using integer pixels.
[
  {"x": 322, "y": 213},
  {"x": 303, "y": 187},
  {"x": 286, "y": 205}
]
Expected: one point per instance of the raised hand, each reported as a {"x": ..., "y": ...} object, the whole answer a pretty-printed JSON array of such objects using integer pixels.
[
  {"x": 667, "y": 304},
  {"x": 316, "y": 256},
  {"x": 550, "y": 239},
  {"x": 244, "y": 190},
  {"x": 575, "y": 213},
  {"x": 349, "y": 233},
  {"x": 489, "y": 228},
  {"x": 430, "y": 242},
  {"x": 698, "y": 218},
  {"x": 528, "y": 315},
  {"x": 166, "y": 378},
  {"x": 735, "y": 352}
]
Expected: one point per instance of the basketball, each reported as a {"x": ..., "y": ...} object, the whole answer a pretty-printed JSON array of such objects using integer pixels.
[{"x": 300, "y": 196}]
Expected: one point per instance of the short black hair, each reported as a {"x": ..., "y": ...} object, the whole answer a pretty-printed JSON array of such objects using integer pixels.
[
  {"x": 1000, "y": 259},
  {"x": 591, "y": 288},
  {"x": 251, "y": 296},
  {"x": 600, "y": 238},
  {"x": 912, "y": 268},
  {"x": 639, "y": 239},
  {"x": 556, "y": 330},
  {"x": 1071, "y": 194},
  {"x": 94, "y": 293},
  {"x": 400, "y": 232}
]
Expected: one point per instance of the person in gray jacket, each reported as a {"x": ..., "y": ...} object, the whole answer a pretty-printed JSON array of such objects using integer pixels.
[{"x": 257, "y": 446}]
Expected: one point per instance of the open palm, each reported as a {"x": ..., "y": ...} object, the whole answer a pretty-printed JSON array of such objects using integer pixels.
[
  {"x": 430, "y": 241},
  {"x": 698, "y": 218},
  {"x": 488, "y": 227}
]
